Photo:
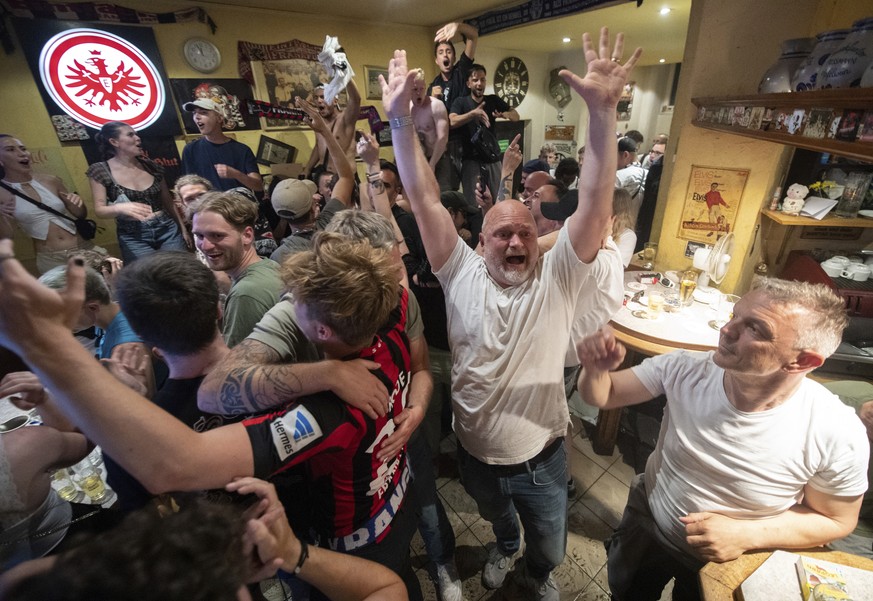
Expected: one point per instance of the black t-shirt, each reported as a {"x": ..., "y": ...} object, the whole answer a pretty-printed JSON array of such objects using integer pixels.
[
  {"x": 455, "y": 87},
  {"x": 461, "y": 106},
  {"x": 178, "y": 398}
]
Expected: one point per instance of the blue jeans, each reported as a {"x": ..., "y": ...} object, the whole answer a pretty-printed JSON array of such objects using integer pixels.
[
  {"x": 140, "y": 238},
  {"x": 433, "y": 523},
  {"x": 538, "y": 496}
]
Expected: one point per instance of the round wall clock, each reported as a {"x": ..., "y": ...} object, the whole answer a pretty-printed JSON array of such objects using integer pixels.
[
  {"x": 202, "y": 55},
  {"x": 511, "y": 81}
]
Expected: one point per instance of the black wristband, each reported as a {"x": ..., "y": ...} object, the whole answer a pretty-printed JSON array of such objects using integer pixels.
[{"x": 304, "y": 553}]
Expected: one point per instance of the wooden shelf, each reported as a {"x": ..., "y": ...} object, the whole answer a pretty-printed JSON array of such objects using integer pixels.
[
  {"x": 839, "y": 99},
  {"x": 783, "y": 219}
]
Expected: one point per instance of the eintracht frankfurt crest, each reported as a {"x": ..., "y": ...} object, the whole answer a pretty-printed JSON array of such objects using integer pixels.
[{"x": 95, "y": 77}]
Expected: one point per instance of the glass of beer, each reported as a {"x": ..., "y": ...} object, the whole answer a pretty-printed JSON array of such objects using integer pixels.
[
  {"x": 687, "y": 285},
  {"x": 64, "y": 485},
  {"x": 90, "y": 482},
  {"x": 724, "y": 310},
  {"x": 655, "y": 305},
  {"x": 650, "y": 252}
]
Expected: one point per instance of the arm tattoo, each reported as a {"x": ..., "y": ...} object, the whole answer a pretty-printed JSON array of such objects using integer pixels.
[
  {"x": 377, "y": 185},
  {"x": 505, "y": 192},
  {"x": 256, "y": 380}
]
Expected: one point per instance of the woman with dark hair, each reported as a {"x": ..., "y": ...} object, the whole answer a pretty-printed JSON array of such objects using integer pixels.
[
  {"x": 131, "y": 188},
  {"x": 55, "y": 239}
]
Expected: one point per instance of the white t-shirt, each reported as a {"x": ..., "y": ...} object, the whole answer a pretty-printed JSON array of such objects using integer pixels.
[
  {"x": 712, "y": 457},
  {"x": 633, "y": 179},
  {"x": 508, "y": 347},
  {"x": 600, "y": 298}
]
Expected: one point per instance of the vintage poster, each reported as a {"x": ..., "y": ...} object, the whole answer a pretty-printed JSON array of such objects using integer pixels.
[{"x": 711, "y": 203}]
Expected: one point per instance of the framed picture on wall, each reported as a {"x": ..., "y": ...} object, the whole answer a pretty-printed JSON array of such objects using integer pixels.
[
  {"x": 272, "y": 151},
  {"x": 371, "y": 73},
  {"x": 282, "y": 82},
  {"x": 711, "y": 203}
]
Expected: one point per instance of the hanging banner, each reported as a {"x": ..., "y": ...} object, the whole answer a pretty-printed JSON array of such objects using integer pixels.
[
  {"x": 530, "y": 12},
  {"x": 99, "y": 74},
  {"x": 111, "y": 13}
]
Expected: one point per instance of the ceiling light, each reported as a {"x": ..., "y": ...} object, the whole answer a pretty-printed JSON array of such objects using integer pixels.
[
  {"x": 662, "y": 60},
  {"x": 665, "y": 11},
  {"x": 566, "y": 40}
]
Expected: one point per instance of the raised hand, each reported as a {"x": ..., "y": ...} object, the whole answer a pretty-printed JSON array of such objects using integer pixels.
[
  {"x": 32, "y": 315},
  {"x": 367, "y": 148},
  {"x": 446, "y": 33},
  {"x": 397, "y": 90},
  {"x": 601, "y": 351},
  {"x": 314, "y": 118},
  {"x": 604, "y": 82},
  {"x": 512, "y": 157}
]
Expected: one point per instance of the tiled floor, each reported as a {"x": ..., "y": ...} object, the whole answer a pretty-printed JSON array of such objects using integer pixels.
[{"x": 602, "y": 484}]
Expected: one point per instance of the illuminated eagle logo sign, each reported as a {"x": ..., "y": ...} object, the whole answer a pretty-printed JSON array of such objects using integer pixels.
[
  {"x": 117, "y": 88},
  {"x": 95, "y": 77}
]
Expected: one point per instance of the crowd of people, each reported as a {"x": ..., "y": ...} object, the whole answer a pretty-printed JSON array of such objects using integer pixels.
[{"x": 274, "y": 367}]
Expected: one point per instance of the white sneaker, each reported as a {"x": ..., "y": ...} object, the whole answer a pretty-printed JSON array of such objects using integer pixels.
[
  {"x": 496, "y": 568},
  {"x": 448, "y": 583},
  {"x": 547, "y": 590}
]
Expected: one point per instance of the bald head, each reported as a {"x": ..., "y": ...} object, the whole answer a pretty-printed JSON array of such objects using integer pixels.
[
  {"x": 534, "y": 182},
  {"x": 509, "y": 242}
]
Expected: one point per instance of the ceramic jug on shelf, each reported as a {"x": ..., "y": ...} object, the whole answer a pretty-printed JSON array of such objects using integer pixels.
[
  {"x": 845, "y": 67},
  {"x": 828, "y": 41},
  {"x": 778, "y": 77}
]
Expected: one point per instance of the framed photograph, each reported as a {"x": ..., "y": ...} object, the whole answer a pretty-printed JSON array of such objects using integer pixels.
[
  {"x": 229, "y": 94},
  {"x": 757, "y": 117},
  {"x": 711, "y": 203},
  {"x": 282, "y": 82},
  {"x": 272, "y": 151},
  {"x": 371, "y": 74},
  {"x": 818, "y": 123}
]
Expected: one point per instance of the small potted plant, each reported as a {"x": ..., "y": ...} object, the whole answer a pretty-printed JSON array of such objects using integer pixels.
[{"x": 827, "y": 189}]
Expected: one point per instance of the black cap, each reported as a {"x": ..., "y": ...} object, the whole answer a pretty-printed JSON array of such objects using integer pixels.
[
  {"x": 455, "y": 200},
  {"x": 535, "y": 165},
  {"x": 559, "y": 211}
]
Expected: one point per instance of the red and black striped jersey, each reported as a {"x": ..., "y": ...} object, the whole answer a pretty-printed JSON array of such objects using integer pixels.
[{"x": 355, "y": 495}]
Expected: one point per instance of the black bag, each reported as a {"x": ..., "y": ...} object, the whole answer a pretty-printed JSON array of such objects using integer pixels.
[
  {"x": 87, "y": 228},
  {"x": 485, "y": 144}
]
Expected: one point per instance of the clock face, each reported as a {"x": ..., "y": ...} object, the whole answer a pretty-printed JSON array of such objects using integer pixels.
[
  {"x": 202, "y": 55},
  {"x": 511, "y": 81}
]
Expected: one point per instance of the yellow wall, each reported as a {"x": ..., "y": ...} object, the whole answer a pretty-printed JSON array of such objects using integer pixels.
[
  {"x": 729, "y": 46},
  {"x": 24, "y": 114}
]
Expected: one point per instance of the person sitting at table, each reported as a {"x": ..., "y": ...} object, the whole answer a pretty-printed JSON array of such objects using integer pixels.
[
  {"x": 34, "y": 520},
  {"x": 751, "y": 453},
  {"x": 623, "y": 223}
]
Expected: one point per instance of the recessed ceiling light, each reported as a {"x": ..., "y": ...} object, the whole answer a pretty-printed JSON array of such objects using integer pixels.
[
  {"x": 566, "y": 40},
  {"x": 662, "y": 60},
  {"x": 666, "y": 11}
]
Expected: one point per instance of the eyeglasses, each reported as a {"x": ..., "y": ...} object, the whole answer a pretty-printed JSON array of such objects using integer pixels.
[{"x": 657, "y": 153}]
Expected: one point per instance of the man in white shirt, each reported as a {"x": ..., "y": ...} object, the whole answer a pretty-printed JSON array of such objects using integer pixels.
[
  {"x": 630, "y": 175},
  {"x": 751, "y": 454},
  {"x": 509, "y": 316}
]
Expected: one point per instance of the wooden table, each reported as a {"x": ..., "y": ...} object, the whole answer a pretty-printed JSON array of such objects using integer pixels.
[
  {"x": 688, "y": 329},
  {"x": 718, "y": 581}
]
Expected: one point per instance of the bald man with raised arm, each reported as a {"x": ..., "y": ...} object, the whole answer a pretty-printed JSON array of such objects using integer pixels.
[
  {"x": 509, "y": 316},
  {"x": 751, "y": 453}
]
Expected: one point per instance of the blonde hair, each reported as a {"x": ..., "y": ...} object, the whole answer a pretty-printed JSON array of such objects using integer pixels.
[
  {"x": 622, "y": 209},
  {"x": 822, "y": 319},
  {"x": 345, "y": 284}
]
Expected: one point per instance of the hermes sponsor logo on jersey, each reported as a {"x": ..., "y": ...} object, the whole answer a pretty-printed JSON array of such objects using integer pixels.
[{"x": 293, "y": 431}]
